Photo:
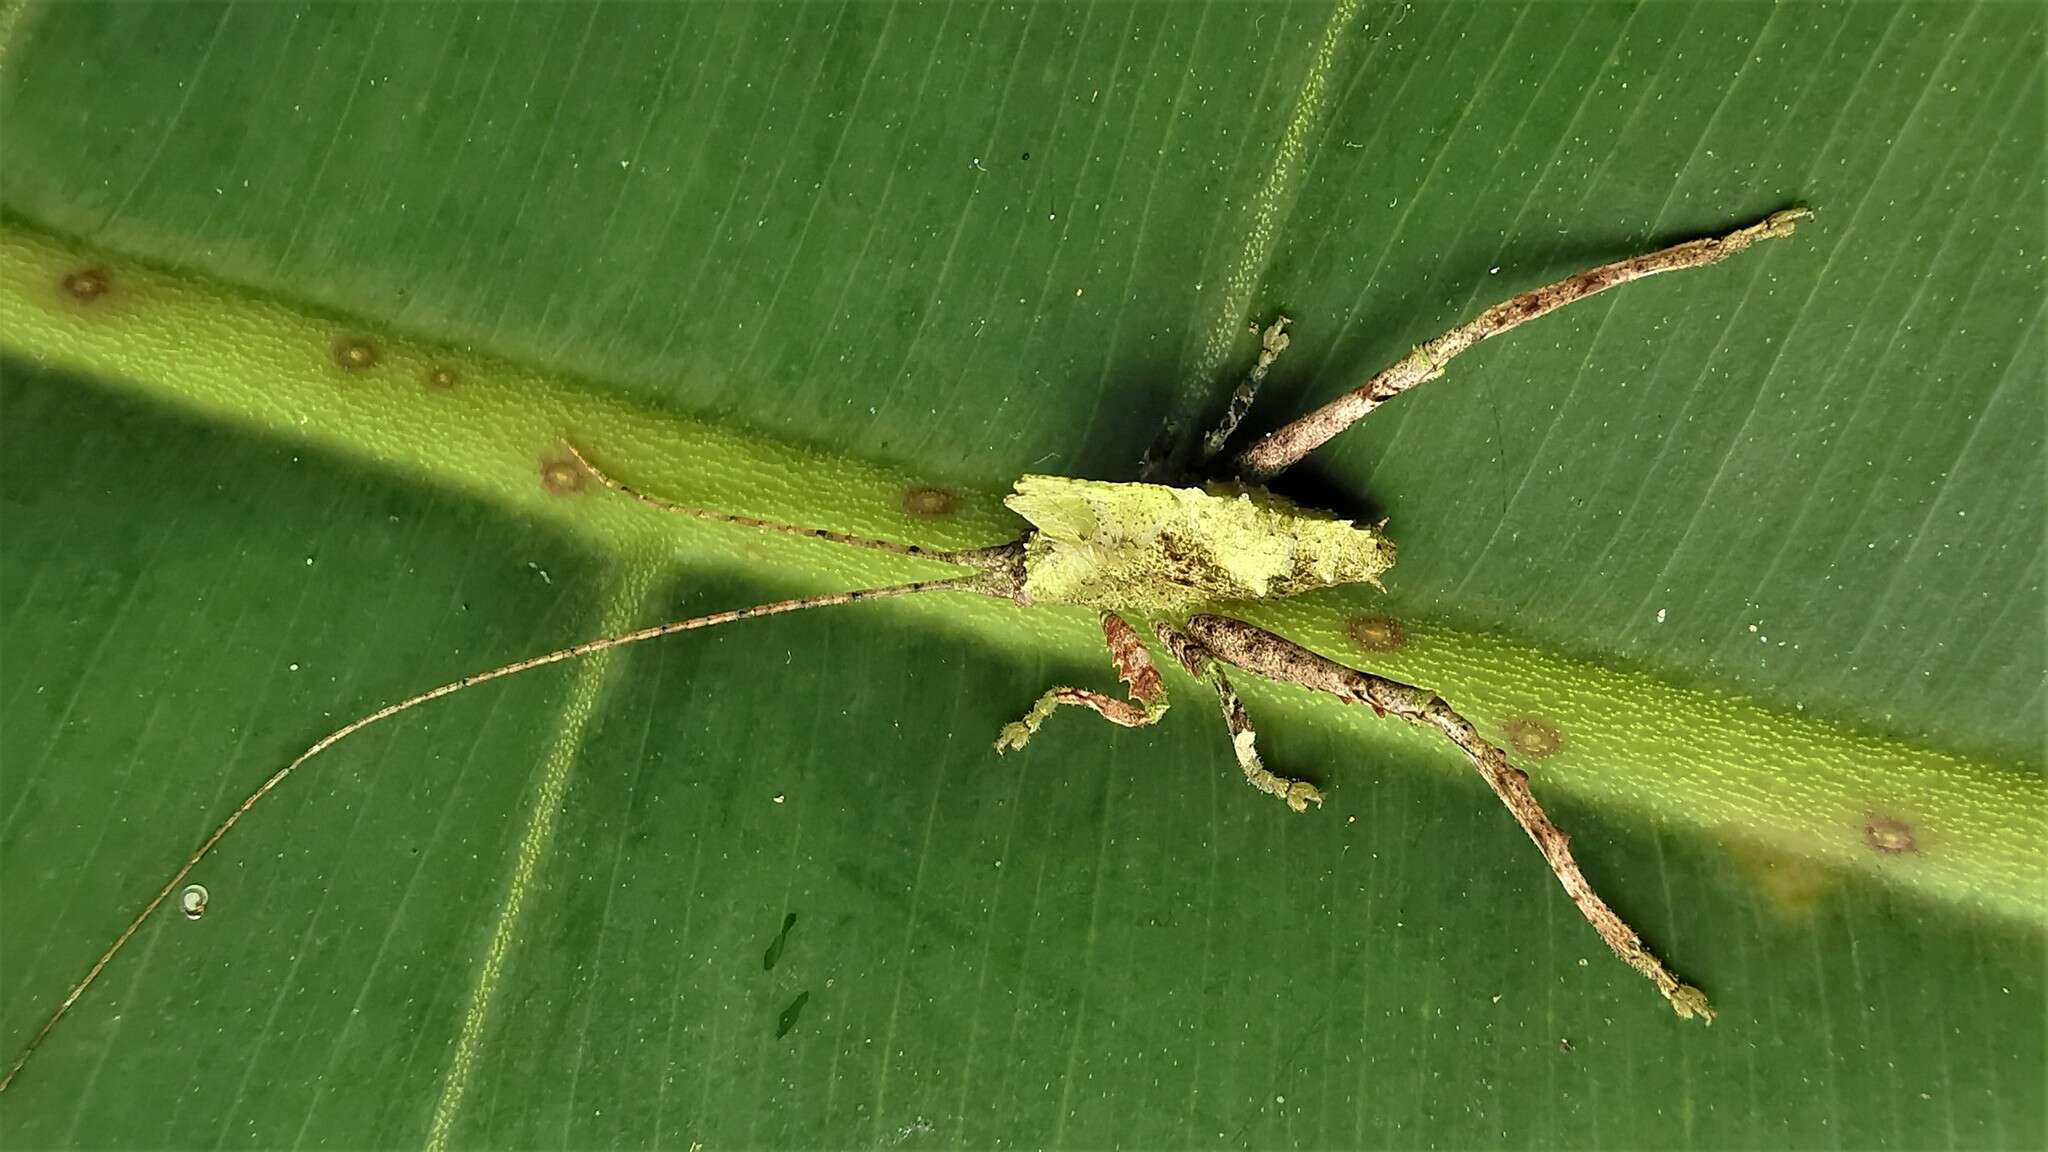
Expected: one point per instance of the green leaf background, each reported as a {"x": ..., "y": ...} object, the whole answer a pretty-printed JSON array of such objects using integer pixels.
[{"x": 1763, "y": 544}]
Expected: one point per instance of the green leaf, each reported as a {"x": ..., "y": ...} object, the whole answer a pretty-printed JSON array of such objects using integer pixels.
[{"x": 1745, "y": 564}]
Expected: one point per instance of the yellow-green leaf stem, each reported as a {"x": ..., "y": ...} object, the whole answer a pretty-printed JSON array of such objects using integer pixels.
[
  {"x": 467, "y": 422},
  {"x": 1811, "y": 797}
]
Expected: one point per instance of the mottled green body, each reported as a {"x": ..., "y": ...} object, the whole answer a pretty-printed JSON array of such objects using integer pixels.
[{"x": 1153, "y": 550}]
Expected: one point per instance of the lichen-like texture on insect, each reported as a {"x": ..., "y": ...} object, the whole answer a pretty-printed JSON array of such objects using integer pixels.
[
  {"x": 1153, "y": 548},
  {"x": 1177, "y": 556}
]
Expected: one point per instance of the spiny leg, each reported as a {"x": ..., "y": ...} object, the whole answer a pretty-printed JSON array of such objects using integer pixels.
[
  {"x": 1133, "y": 666},
  {"x": 1202, "y": 665},
  {"x": 1277, "y": 658},
  {"x": 1277, "y": 451}
]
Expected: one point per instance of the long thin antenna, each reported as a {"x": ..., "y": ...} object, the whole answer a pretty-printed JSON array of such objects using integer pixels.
[
  {"x": 623, "y": 489},
  {"x": 976, "y": 583}
]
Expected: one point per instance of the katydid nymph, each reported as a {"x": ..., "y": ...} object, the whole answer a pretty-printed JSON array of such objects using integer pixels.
[{"x": 1177, "y": 557}]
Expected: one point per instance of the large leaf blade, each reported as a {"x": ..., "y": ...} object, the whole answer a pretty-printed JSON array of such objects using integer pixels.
[{"x": 452, "y": 171}]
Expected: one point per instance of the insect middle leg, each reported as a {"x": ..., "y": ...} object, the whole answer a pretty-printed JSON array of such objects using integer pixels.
[
  {"x": 1203, "y": 665},
  {"x": 1133, "y": 665}
]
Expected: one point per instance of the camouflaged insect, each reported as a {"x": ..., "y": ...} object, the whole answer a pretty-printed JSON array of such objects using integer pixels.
[
  {"x": 1166, "y": 554},
  {"x": 1150, "y": 549},
  {"x": 1163, "y": 553}
]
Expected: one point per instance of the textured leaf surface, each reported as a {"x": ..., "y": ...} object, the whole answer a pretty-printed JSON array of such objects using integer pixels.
[{"x": 959, "y": 243}]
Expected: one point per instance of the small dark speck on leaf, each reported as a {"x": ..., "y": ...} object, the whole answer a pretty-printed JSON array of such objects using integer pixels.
[
  {"x": 780, "y": 942},
  {"x": 930, "y": 503},
  {"x": 1378, "y": 633},
  {"x": 354, "y": 354},
  {"x": 787, "y": 1020},
  {"x": 1532, "y": 737},
  {"x": 562, "y": 476},
  {"x": 87, "y": 284},
  {"x": 1889, "y": 837}
]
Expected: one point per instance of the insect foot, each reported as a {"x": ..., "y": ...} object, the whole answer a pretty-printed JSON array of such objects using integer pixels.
[
  {"x": 1296, "y": 794},
  {"x": 1017, "y": 733}
]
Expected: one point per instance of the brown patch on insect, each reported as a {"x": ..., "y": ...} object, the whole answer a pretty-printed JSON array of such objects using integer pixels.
[
  {"x": 87, "y": 284},
  {"x": 1377, "y": 633},
  {"x": 441, "y": 379},
  {"x": 1889, "y": 837},
  {"x": 355, "y": 353},
  {"x": 930, "y": 503},
  {"x": 563, "y": 476},
  {"x": 1532, "y": 737}
]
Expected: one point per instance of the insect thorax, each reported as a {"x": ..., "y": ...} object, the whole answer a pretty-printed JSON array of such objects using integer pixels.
[{"x": 1149, "y": 548}]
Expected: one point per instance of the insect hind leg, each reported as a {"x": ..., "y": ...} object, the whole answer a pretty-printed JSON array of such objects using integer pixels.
[{"x": 1277, "y": 658}]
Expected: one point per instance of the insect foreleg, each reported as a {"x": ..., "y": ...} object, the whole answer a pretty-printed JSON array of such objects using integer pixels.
[
  {"x": 1276, "y": 658},
  {"x": 1202, "y": 665},
  {"x": 1277, "y": 451},
  {"x": 1133, "y": 665}
]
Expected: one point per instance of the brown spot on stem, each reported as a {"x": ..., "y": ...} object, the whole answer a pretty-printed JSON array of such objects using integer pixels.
[
  {"x": 87, "y": 284},
  {"x": 355, "y": 353},
  {"x": 929, "y": 503},
  {"x": 1889, "y": 837},
  {"x": 441, "y": 379},
  {"x": 562, "y": 476},
  {"x": 1377, "y": 633},
  {"x": 1532, "y": 737}
]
